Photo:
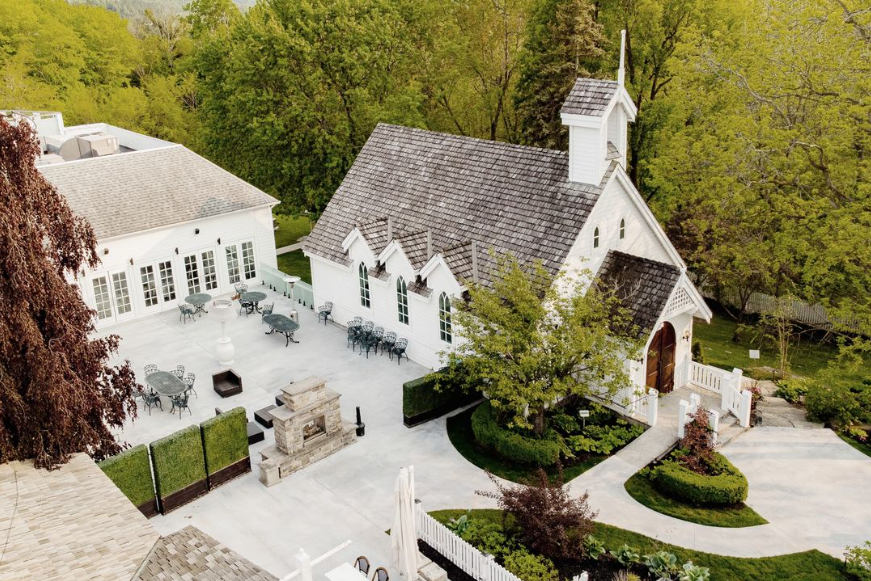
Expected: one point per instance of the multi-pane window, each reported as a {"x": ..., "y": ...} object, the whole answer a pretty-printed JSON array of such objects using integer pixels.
[
  {"x": 402, "y": 300},
  {"x": 122, "y": 293},
  {"x": 210, "y": 275},
  {"x": 192, "y": 273},
  {"x": 101, "y": 297},
  {"x": 622, "y": 229},
  {"x": 248, "y": 260},
  {"x": 233, "y": 263},
  {"x": 149, "y": 285},
  {"x": 596, "y": 238},
  {"x": 364, "y": 286},
  {"x": 167, "y": 283},
  {"x": 445, "y": 318}
]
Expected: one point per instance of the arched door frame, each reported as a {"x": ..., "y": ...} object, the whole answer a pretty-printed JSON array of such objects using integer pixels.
[{"x": 663, "y": 347}]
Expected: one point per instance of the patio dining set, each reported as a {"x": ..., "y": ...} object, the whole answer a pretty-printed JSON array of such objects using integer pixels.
[
  {"x": 174, "y": 385},
  {"x": 370, "y": 337}
]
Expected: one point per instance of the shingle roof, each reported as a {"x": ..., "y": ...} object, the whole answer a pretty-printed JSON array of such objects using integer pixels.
[
  {"x": 642, "y": 285},
  {"x": 130, "y": 192},
  {"x": 512, "y": 198},
  {"x": 192, "y": 554},
  {"x": 69, "y": 524},
  {"x": 589, "y": 97}
]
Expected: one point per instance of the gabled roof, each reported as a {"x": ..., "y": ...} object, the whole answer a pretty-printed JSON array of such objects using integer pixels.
[
  {"x": 642, "y": 285},
  {"x": 509, "y": 197},
  {"x": 589, "y": 97},
  {"x": 132, "y": 192}
]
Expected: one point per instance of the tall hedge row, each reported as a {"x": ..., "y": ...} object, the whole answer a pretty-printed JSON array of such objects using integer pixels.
[
  {"x": 178, "y": 460},
  {"x": 421, "y": 400},
  {"x": 728, "y": 486},
  {"x": 512, "y": 445},
  {"x": 131, "y": 472},
  {"x": 225, "y": 439}
]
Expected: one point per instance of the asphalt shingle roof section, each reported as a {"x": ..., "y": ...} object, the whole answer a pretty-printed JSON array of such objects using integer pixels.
[
  {"x": 191, "y": 554},
  {"x": 642, "y": 285},
  {"x": 589, "y": 97},
  {"x": 132, "y": 192},
  {"x": 508, "y": 197}
]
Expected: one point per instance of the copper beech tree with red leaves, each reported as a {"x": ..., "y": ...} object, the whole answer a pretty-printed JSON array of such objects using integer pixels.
[{"x": 58, "y": 393}]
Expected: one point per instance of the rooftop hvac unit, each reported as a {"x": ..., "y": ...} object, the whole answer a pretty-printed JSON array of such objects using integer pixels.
[{"x": 97, "y": 145}]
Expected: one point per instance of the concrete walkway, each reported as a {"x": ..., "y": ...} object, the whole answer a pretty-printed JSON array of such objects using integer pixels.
[{"x": 810, "y": 486}]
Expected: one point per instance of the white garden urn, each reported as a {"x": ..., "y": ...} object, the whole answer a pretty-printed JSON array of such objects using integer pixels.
[{"x": 223, "y": 310}]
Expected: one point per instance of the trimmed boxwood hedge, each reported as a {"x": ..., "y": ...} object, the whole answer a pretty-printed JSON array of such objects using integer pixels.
[
  {"x": 178, "y": 460},
  {"x": 131, "y": 472},
  {"x": 225, "y": 439},
  {"x": 728, "y": 486},
  {"x": 512, "y": 445},
  {"x": 421, "y": 401}
]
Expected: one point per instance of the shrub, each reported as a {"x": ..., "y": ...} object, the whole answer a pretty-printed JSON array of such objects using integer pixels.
[
  {"x": 225, "y": 439},
  {"x": 511, "y": 444},
  {"x": 131, "y": 472},
  {"x": 565, "y": 423},
  {"x": 178, "y": 460},
  {"x": 838, "y": 404},
  {"x": 699, "y": 353},
  {"x": 604, "y": 439},
  {"x": 593, "y": 547},
  {"x": 690, "y": 572},
  {"x": 489, "y": 537},
  {"x": 438, "y": 392},
  {"x": 792, "y": 390},
  {"x": 726, "y": 485},
  {"x": 531, "y": 567},
  {"x": 859, "y": 561},
  {"x": 626, "y": 555},
  {"x": 698, "y": 443},
  {"x": 661, "y": 564},
  {"x": 550, "y": 520}
]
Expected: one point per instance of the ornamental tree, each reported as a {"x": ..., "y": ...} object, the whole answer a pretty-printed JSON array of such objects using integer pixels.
[
  {"x": 529, "y": 339},
  {"x": 58, "y": 393}
]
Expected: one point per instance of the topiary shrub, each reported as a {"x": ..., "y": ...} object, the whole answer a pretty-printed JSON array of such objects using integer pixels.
[
  {"x": 179, "y": 467},
  {"x": 131, "y": 472},
  {"x": 530, "y": 567},
  {"x": 225, "y": 446},
  {"x": 433, "y": 395},
  {"x": 512, "y": 445},
  {"x": 725, "y": 486}
]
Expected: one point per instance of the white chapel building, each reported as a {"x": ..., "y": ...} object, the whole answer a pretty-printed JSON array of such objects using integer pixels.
[
  {"x": 417, "y": 213},
  {"x": 169, "y": 223}
]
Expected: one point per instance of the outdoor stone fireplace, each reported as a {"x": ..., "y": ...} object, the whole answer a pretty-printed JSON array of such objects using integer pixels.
[{"x": 308, "y": 428}]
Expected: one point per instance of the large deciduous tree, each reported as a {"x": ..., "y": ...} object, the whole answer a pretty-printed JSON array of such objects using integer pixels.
[
  {"x": 58, "y": 393},
  {"x": 529, "y": 339}
]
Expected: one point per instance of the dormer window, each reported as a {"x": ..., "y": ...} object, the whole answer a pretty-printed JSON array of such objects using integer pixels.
[
  {"x": 596, "y": 237},
  {"x": 622, "y": 229},
  {"x": 365, "y": 299}
]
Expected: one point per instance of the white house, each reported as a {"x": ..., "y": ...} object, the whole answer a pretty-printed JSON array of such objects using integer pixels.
[
  {"x": 414, "y": 218},
  {"x": 169, "y": 223}
]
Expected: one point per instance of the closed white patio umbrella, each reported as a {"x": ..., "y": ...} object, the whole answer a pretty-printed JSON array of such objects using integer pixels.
[{"x": 403, "y": 533}]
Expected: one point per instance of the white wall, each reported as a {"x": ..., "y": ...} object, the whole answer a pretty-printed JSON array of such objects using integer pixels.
[
  {"x": 586, "y": 154},
  {"x": 160, "y": 244}
]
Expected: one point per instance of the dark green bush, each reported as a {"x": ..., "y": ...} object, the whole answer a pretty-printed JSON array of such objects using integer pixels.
[
  {"x": 512, "y": 445},
  {"x": 838, "y": 404},
  {"x": 225, "y": 439},
  {"x": 726, "y": 486},
  {"x": 178, "y": 460},
  {"x": 131, "y": 472},
  {"x": 441, "y": 390},
  {"x": 699, "y": 353},
  {"x": 792, "y": 390},
  {"x": 604, "y": 439},
  {"x": 488, "y": 536}
]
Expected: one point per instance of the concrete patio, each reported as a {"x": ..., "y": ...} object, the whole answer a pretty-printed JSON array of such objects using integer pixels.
[{"x": 346, "y": 496}]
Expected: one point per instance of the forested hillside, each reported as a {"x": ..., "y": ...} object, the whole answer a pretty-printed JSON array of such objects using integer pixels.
[
  {"x": 752, "y": 143},
  {"x": 136, "y": 8}
]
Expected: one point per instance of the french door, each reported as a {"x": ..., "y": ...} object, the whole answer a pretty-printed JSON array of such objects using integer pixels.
[
  {"x": 201, "y": 274},
  {"x": 241, "y": 262},
  {"x": 112, "y": 299},
  {"x": 157, "y": 281}
]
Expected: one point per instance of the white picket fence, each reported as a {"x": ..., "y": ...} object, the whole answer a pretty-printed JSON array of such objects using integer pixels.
[
  {"x": 632, "y": 401},
  {"x": 727, "y": 385},
  {"x": 459, "y": 552}
]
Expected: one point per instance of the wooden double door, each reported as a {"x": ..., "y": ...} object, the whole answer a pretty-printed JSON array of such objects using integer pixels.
[{"x": 661, "y": 360}]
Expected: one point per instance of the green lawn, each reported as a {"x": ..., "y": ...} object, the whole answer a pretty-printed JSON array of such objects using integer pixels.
[
  {"x": 461, "y": 436},
  {"x": 807, "y": 358},
  {"x": 297, "y": 264},
  {"x": 863, "y": 447},
  {"x": 290, "y": 229},
  {"x": 807, "y": 566},
  {"x": 643, "y": 490}
]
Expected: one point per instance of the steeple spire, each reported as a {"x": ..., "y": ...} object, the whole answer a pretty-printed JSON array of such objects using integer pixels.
[{"x": 621, "y": 73}]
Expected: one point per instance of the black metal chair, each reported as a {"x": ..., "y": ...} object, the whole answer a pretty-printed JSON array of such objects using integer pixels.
[
  {"x": 266, "y": 309},
  {"x": 151, "y": 398},
  {"x": 179, "y": 371},
  {"x": 246, "y": 306},
  {"x": 240, "y": 287},
  {"x": 189, "y": 380},
  {"x": 324, "y": 311},
  {"x": 387, "y": 342},
  {"x": 362, "y": 565},
  {"x": 150, "y": 368},
  {"x": 180, "y": 402},
  {"x": 399, "y": 349},
  {"x": 186, "y": 312},
  {"x": 381, "y": 575}
]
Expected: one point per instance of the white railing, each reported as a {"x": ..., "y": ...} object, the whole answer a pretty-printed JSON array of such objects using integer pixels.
[
  {"x": 274, "y": 279},
  {"x": 475, "y": 563},
  {"x": 727, "y": 385},
  {"x": 633, "y": 402},
  {"x": 707, "y": 377}
]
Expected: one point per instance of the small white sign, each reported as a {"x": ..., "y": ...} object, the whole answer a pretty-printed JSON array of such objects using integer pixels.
[
  {"x": 584, "y": 413},
  {"x": 754, "y": 354}
]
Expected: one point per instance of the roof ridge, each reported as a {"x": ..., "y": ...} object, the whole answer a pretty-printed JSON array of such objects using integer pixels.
[
  {"x": 643, "y": 258},
  {"x": 470, "y": 139}
]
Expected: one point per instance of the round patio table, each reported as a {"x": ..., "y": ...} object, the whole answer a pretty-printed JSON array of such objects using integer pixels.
[
  {"x": 165, "y": 383},
  {"x": 253, "y": 298},
  {"x": 283, "y": 325},
  {"x": 198, "y": 300}
]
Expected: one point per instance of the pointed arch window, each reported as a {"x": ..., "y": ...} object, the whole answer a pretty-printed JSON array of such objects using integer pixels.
[
  {"x": 596, "y": 237},
  {"x": 402, "y": 300},
  {"x": 445, "y": 332},
  {"x": 365, "y": 299},
  {"x": 622, "y": 228}
]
